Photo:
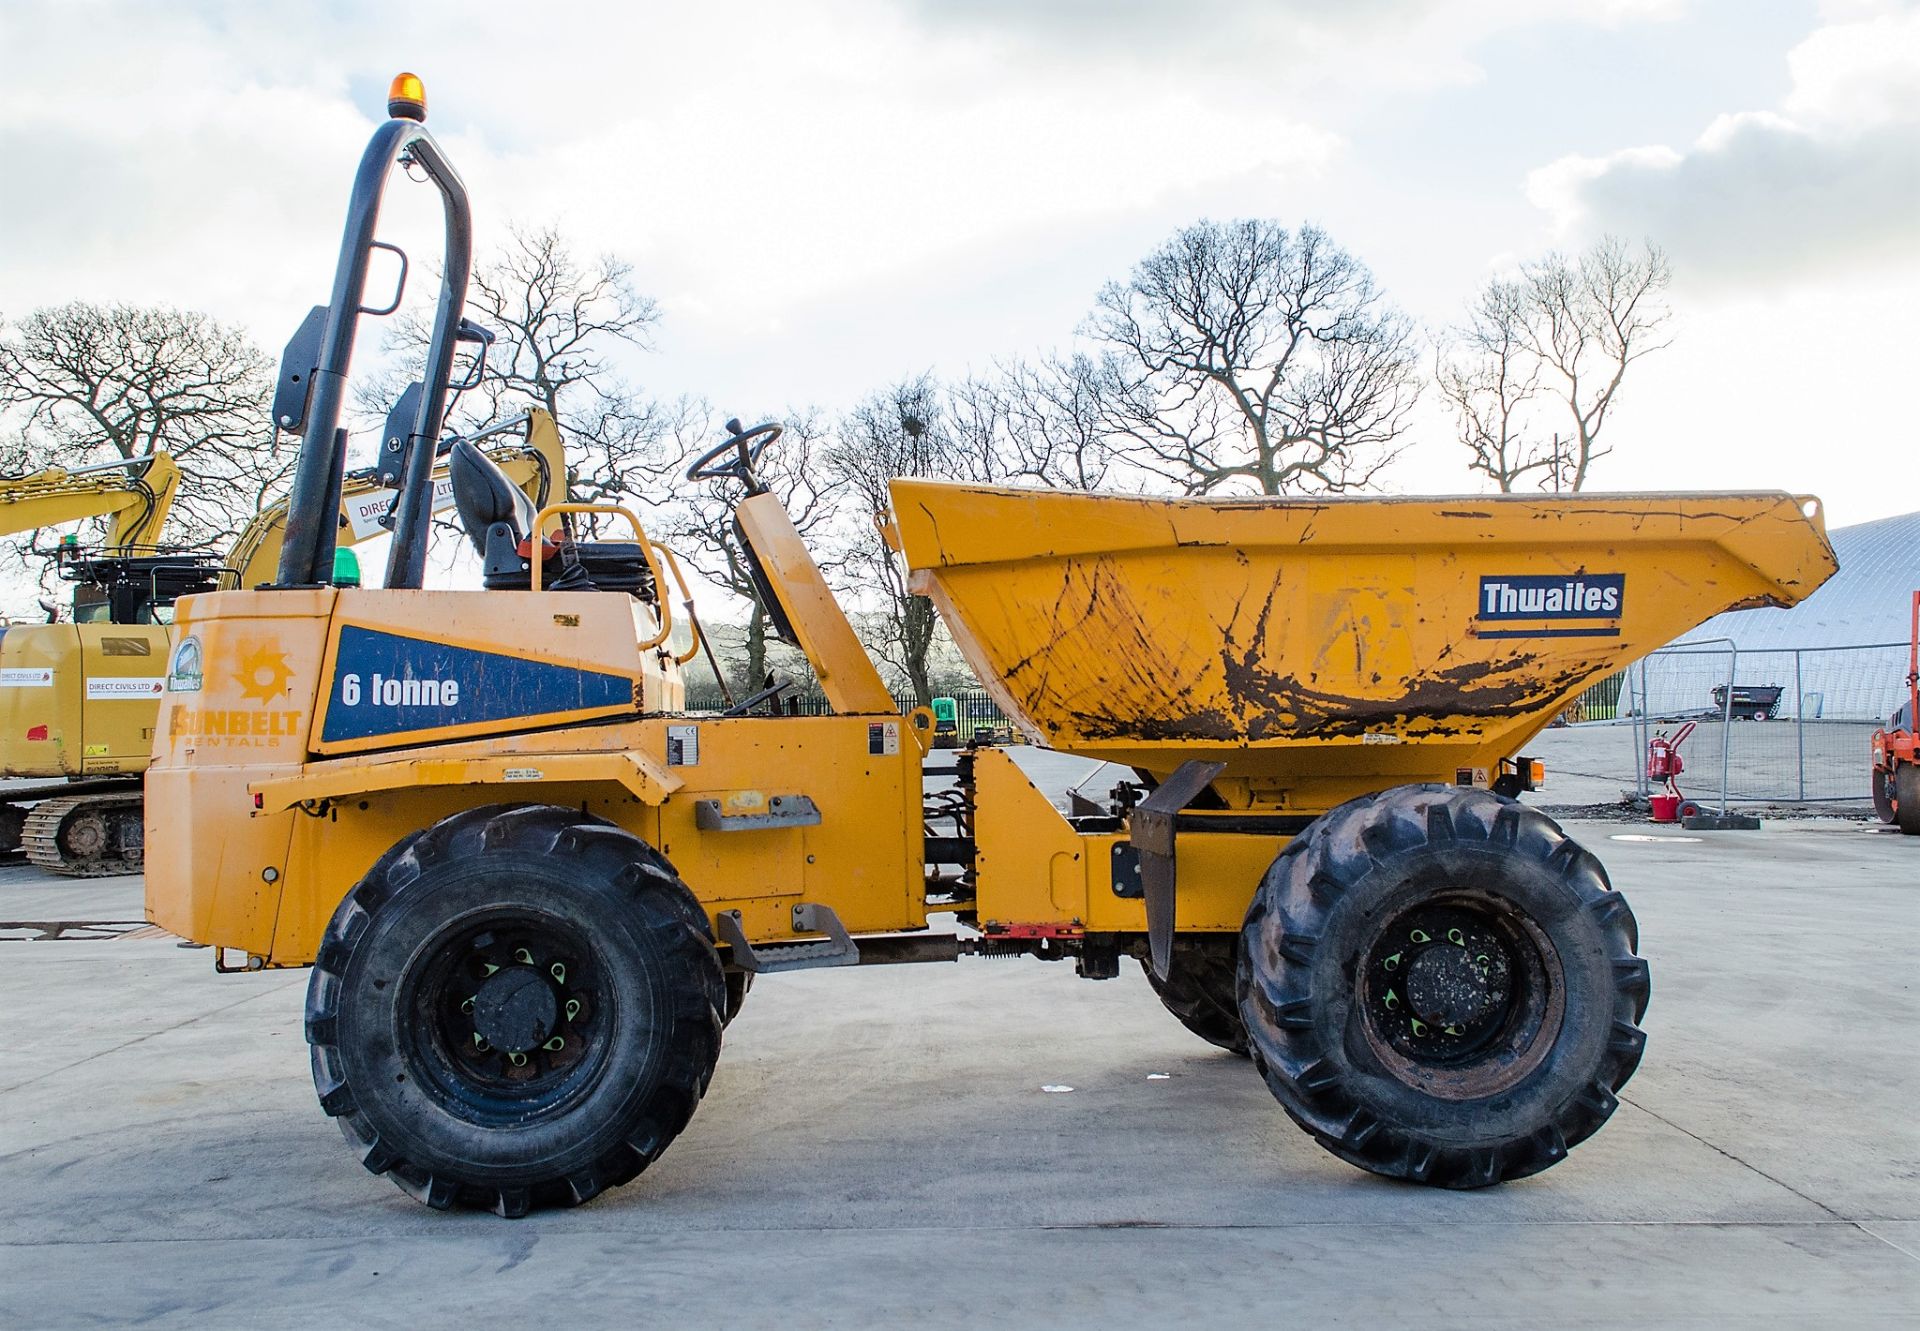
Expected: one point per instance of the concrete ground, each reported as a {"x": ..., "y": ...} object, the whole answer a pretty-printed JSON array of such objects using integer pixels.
[{"x": 878, "y": 1150}]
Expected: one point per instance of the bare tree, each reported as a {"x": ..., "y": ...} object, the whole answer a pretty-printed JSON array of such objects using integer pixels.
[
  {"x": 702, "y": 531},
  {"x": 1563, "y": 330},
  {"x": 1593, "y": 317},
  {"x": 1244, "y": 353},
  {"x": 88, "y": 383},
  {"x": 901, "y": 431},
  {"x": 560, "y": 321},
  {"x": 1489, "y": 379},
  {"x": 1050, "y": 421}
]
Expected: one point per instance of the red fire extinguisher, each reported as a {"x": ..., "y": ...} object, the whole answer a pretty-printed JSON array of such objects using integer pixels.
[{"x": 1664, "y": 764}]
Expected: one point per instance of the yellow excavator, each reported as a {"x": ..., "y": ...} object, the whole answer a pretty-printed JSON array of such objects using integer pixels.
[
  {"x": 78, "y": 700},
  {"x": 135, "y": 495}
]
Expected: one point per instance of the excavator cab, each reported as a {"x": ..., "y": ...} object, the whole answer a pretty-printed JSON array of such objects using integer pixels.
[{"x": 122, "y": 587}]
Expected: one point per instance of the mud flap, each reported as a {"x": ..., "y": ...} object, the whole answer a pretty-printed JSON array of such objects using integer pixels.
[{"x": 1151, "y": 831}]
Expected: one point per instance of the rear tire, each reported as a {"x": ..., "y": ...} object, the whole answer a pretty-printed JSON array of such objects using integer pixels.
[
  {"x": 739, "y": 985},
  {"x": 1440, "y": 986},
  {"x": 1906, "y": 797},
  {"x": 1199, "y": 989},
  {"x": 518, "y": 1007}
]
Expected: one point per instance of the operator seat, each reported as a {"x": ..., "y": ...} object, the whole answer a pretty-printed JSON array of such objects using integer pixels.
[{"x": 498, "y": 518}]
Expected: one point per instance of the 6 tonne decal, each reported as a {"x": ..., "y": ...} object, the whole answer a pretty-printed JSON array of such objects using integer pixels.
[
  {"x": 388, "y": 684},
  {"x": 1579, "y": 605}
]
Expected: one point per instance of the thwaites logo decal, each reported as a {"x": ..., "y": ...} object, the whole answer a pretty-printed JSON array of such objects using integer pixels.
[
  {"x": 1578, "y": 605},
  {"x": 387, "y": 684}
]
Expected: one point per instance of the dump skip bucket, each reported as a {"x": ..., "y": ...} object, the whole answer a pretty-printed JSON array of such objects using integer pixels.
[{"x": 1384, "y": 637}]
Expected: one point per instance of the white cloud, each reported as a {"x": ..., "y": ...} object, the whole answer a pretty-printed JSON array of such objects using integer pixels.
[{"x": 1828, "y": 180}]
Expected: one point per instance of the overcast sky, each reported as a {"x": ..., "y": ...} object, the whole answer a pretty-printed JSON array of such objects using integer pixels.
[{"x": 825, "y": 197}]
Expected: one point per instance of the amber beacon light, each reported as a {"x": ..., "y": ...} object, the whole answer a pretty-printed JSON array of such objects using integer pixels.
[{"x": 407, "y": 98}]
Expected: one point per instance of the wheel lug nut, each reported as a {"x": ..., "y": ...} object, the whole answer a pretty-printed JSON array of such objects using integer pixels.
[
  {"x": 524, "y": 957},
  {"x": 573, "y": 1008},
  {"x": 467, "y": 1007},
  {"x": 558, "y": 972},
  {"x": 557, "y": 1042},
  {"x": 519, "y": 1060}
]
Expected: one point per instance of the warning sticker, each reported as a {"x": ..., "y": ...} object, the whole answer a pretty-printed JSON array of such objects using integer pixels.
[
  {"x": 109, "y": 687},
  {"x": 883, "y": 739},
  {"x": 523, "y": 774},
  {"x": 35, "y": 678},
  {"x": 683, "y": 746}
]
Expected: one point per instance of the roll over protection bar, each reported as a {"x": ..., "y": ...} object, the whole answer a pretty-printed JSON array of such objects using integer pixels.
[{"x": 306, "y": 558}]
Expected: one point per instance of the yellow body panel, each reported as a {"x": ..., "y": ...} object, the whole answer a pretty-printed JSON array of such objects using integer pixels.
[
  {"x": 256, "y": 834},
  {"x": 1330, "y": 647},
  {"x": 79, "y": 699},
  {"x": 1037, "y": 874},
  {"x": 845, "y": 670}
]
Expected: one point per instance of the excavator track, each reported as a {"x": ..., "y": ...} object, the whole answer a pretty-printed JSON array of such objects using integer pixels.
[{"x": 86, "y": 836}]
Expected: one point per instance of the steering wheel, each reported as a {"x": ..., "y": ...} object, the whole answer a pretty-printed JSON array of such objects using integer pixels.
[{"x": 746, "y": 446}]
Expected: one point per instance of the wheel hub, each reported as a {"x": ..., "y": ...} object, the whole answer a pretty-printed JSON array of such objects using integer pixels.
[
  {"x": 1441, "y": 983},
  {"x": 1450, "y": 986},
  {"x": 515, "y": 1009}
]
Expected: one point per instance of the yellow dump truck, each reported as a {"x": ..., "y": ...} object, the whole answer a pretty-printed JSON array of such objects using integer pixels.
[
  {"x": 532, "y": 890},
  {"x": 78, "y": 699}
]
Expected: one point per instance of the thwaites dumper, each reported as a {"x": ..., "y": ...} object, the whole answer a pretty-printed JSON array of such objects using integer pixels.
[
  {"x": 532, "y": 891},
  {"x": 79, "y": 700}
]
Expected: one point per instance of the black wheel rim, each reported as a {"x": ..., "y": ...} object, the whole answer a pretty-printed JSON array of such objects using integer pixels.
[
  {"x": 1461, "y": 995},
  {"x": 512, "y": 1019}
]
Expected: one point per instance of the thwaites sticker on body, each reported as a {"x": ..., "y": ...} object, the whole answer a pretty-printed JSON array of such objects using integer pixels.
[
  {"x": 683, "y": 746},
  {"x": 1574, "y": 605},
  {"x": 883, "y": 739}
]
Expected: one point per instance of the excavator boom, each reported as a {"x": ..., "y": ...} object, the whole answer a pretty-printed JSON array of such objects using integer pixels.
[{"x": 137, "y": 494}]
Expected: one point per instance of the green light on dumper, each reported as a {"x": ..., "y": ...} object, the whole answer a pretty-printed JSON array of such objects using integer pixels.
[{"x": 346, "y": 569}]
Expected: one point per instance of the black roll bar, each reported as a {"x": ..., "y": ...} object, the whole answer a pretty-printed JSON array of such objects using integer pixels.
[{"x": 306, "y": 557}]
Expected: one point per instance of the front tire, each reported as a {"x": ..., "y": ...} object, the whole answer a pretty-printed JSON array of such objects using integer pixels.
[
  {"x": 1442, "y": 987},
  {"x": 518, "y": 1007}
]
